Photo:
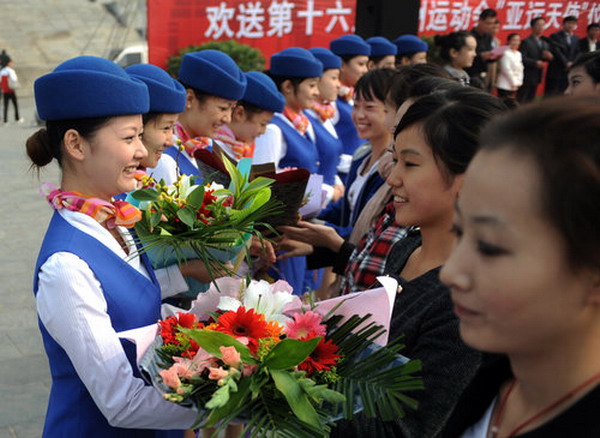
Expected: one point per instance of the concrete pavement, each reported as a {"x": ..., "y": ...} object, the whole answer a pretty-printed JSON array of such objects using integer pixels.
[{"x": 24, "y": 216}]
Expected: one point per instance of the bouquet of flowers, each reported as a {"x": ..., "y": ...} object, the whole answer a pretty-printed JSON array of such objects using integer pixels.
[
  {"x": 250, "y": 353},
  {"x": 206, "y": 221}
]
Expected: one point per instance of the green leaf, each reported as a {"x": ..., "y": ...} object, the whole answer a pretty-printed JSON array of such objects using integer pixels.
[
  {"x": 145, "y": 195},
  {"x": 196, "y": 197},
  {"x": 296, "y": 397},
  {"x": 187, "y": 215},
  {"x": 155, "y": 218},
  {"x": 289, "y": 353},
  {"x": 219, "y": 398},
  {"x": 236, "y": 402},
  {"x": 211, "y": 340}
]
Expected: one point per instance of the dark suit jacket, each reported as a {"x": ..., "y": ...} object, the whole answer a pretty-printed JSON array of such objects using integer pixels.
[
  {"x": 532, "y": 53},
  {"x": 563, "y": 53},
  {"x": 584, "y": 45}
]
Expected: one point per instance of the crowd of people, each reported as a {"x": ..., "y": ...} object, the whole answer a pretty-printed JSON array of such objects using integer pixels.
[{"x": 485, "y": 211}]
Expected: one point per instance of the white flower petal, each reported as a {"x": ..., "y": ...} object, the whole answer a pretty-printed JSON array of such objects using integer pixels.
[{"x": 228, "y": 303}]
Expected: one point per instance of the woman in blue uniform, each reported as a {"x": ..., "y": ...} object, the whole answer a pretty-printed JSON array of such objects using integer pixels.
[
  {"x": 355, "y": 53},
  {"x": 320, "y": 114},
  {"x": 89, "y": 284},
  {"x": 383, "y": 53},
  {"x": 214, "y": 83},
  {"x": 289, "y": 140}
]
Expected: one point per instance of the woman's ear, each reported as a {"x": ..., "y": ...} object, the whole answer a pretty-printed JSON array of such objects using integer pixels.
[
  {"x": 189, "y": 98},
  {"x": 594, "y": 294},
  {"x": 75, "y": 145},
  {"x": 371, "y": 65},
  {"x": 287, "y": 88},
  {"x": 453, "y": 53},
  {"x": 238, "y": 114}
]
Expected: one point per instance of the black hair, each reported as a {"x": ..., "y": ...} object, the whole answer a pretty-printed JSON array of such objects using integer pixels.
[
  {"x": 593, "y": 26},
  {"x": 374, "y": 84},
  {"x": 279, "y": 80},
  {"x": 148, "y": 117},
  {"x": 201, "y": 96},
  {"x": 250, "y": 108},
  {"x": 511, "y": 35},
  {"x": 431, "y": 84},
  {"x": 46, "y": 143},
  {"x": 487, "y": 13},
  {"x": 348, "y": 57},
  {"x": 569, "y": 18},
  {"x": 562, "y": 137},
  {"x": 377, "y": 59},
  {"x": 451, "y": 121},
  {"x": 453, "y": 40},
  {"x": 591, "y": 62},
  {"x": 406, "y": 75},
  {"x": 535, "y": 20}
]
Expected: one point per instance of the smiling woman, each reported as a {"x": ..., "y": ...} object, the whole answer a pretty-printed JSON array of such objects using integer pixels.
[
  {"x": 525, "y": 274},
  {"x": 88, "y": 283}
]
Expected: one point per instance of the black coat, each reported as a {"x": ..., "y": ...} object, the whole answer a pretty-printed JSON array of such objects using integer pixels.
[{"x": 532, "y": 50}]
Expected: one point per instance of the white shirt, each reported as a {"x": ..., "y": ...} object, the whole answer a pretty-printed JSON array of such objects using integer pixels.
[
  {"x": 480, "y": 429},
  {"x": 167, "y": 168},
  {"x": 271, "y": 147},
  {"x": 72, "y": 307},
  {"x": 510, "y": 70},
  {"x": 359, "y": 182}
]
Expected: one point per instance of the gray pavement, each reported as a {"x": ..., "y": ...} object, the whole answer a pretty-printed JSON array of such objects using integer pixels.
[{"x": 24, "y": 215}]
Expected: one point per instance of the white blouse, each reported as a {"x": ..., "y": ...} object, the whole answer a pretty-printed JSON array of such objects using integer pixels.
[
  {"x": 480, "y": 429},
  {"x": 72, "y": 307},
  {"x": 167, "y": 168},
  {"x": 271, "y": 147},
  {"x": 510, "y": 70}
]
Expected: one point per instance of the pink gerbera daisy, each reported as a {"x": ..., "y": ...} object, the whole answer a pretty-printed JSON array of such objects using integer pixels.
[{"x": 305, "y": 326}]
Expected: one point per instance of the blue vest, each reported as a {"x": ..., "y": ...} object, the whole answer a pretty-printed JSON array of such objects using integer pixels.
[
  {"x": 345, "y": 128},
  {"x": 185, "y": 165},
  {"x": 301, "y": 152},
  {"x": 132, "y": 300},
  {"x": 329, "y": 149}
]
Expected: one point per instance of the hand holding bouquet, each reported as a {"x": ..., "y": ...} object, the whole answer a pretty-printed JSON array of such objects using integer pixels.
[{"x": 242, "y": 354}]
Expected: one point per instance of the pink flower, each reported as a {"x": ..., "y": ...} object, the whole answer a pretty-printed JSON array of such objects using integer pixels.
[
  {"x": 170, "y": 377},
  {"x": 217, "y": 373},
  {"x": 187, "y": 368},
  {"x": 248, "y": 370},
  {"x": 305, "y": 325},
  {"x": 231, "y": 356}
]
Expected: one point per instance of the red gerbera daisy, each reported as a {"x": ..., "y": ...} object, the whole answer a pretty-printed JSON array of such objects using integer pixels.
[
  {"x": 244, "y": 324},
  {"x": 322, "y": 358}
]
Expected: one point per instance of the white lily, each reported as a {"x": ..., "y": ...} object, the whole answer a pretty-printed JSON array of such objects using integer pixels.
[{"x": 264, "y": 298}]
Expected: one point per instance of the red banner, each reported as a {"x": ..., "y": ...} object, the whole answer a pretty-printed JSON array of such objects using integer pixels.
[
  {"x": 269, "y": 25},
  {"x": 443, "y": 16}
]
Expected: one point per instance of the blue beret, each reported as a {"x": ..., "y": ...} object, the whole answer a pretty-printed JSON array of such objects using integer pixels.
[
  {"x": 262, "y": 92},
  {"x": 86, "y": 87},
  {"x": 410, "y": 44},
  {"x": 327, "y": 57},
  {"x": 213, "y": 72},
  {"x": 381, "y": 46},
  {"x": 166, "y": 94},
  {"x": 295, "y": 62},
  {"x": 350, "y": 45}
]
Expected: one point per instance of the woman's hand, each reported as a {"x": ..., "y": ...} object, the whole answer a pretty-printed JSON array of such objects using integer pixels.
[
  {"x": 293, "y": 248},
  {"x": 314, "y": 234},
  {"x": 263, "y": 250},
  {"x": 198, "y": 270},
  {"x": 338, "y": 192}
]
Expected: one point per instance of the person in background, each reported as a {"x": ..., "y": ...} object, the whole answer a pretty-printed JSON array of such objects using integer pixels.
[
  {"x": 320, "y": 114},
  {"x": 250, "y": 117},
  {"x": 564, "y": 45},
  {"x": 590, "y": 42},
  {"x": 510, "y": 69},
  {"x": 482, "y": 32},
  {"x": 458, "y": 50},
  {"x": 535, "y": 52},
  {"x": 289, "y": 140},
  {"x": 492, "y": 67},
  {"x": 383, "y": 53},
  {"x": 584, "y": 75},
  {"x": 355, "y": 53},
  {"x": 411, "y": 50},
  {"x": 213, "y": 84},
  {"x": 524, "y": 275},
  {"x": 9, "y": 85}
]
